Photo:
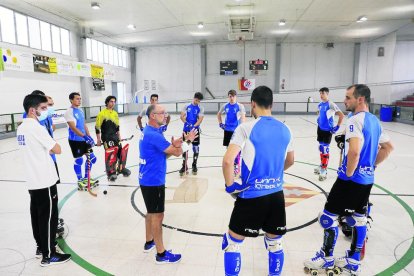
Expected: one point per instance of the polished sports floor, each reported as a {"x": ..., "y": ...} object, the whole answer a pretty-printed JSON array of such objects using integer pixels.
[{"x": 106, "y": 234}]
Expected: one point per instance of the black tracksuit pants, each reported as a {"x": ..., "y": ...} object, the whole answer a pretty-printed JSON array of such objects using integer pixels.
[{"x": 44, "y": 215}]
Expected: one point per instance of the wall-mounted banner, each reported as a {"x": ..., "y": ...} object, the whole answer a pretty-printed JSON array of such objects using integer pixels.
[
  {"x": 59, "y": 117},
  {"x": 17, "y": 61},
  {"x": 41, "y": 63},
  {"x": 247, "y": 84},
  {"x": 97, "y": 74},
  {"x": 1, "y": 60},
  {"x": 82, "y": 69},
  {"x": 66, "y": 67}
]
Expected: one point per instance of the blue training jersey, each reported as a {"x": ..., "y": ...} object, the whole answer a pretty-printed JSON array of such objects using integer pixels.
[
  {"x": 75, "y": 115},
  {"x": 264, "y": 143},
  {"x": 152, "y": 158},
  {"x": 233, "y": 114},
  {"x": 326, "y": 116},
  {"x": 367, "y": 128},
  {"x": 193, "y": 112}
]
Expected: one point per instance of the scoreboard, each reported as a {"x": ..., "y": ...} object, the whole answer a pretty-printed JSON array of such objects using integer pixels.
[
  {"x": 228, "y": 68},
  {"x": 258, "y": 64}
]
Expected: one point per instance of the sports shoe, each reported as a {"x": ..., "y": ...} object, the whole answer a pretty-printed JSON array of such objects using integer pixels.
[
  {"x": 169, "y": 258},
  {"x": 348, "y": 264},
  {"x": 320, "y": 261},
  {"x": 125, "y": 172},
  {"x": 323, "y": 175},
  {"x": 112, "y": 177},
  {"x": 55, "y": 259},
  {"x": 38, "y": 254},
  {"x": 149, "y": 246}
]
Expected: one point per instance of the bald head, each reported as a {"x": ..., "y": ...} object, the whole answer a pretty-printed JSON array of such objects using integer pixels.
[{"x": 157, "y": 115}]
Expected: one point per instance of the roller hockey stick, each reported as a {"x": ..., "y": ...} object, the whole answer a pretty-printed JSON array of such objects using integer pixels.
[
  {"x": 127, "y": 139},
  {"x": 88, "y": 159}
]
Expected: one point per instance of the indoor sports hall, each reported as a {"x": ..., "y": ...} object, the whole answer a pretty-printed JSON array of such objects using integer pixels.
[{"x": 132, "y": 49}]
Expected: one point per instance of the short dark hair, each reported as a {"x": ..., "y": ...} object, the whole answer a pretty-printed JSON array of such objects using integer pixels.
[
  {"x": 108, "y": 99},
  {"x": 150, "y": 109},
  {"x": 262, "y": 96},
  {"x": 38, "y": 92},
  {"x": 324, "y": 89},
  {"x": 34, "y": 101},
  {"x": 154, "y": 95},
  {"x": 361, "y": 90},
  {"x": 199, "y": 96},
  {"x": 232, "y": 92},
  {"x": 73, "y": 94}
]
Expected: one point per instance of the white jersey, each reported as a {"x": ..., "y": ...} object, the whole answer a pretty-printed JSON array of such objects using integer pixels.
[
  {"x": 35, "y": 144},
  {"x": 265, "y": 143}
]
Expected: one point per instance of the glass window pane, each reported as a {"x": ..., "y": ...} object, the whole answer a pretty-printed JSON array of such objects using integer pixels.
[
  {"x": 56, "y": 39},
  {"x": 100, "y": 51},
  {"x": 45, "y": 35},
  {"x": 34, "y": 33},
  {"x": 120, "y": 57},
  {"x": 115, "y": 56},
  {"x": 124, "y": 59},
  {"x": 94, "y": 50},
  {"x": 21, "y": 29},
  {"x": 105, "y": 53},
  {"x": 8, "y": 33},
  {"x": 65, "y": 40},
  {"x": 88, "y": 49},
  {"x": 111, "y": 55}
]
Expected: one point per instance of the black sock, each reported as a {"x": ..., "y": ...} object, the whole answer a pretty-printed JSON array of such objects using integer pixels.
[
  {"x": 149, "y": 242},
  {"x": 161, "y": 254}
]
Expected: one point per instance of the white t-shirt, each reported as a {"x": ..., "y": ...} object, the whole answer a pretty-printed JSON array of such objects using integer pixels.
[{"x": 34, "y": 144}]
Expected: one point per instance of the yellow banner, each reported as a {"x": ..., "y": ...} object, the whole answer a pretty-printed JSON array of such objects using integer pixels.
[
  {"x": 97, "y": 71},
  {"x": 52, "y": 65}
]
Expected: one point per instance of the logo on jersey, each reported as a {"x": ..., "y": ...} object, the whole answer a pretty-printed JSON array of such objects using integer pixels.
[
  {"x": 267, "y": 183},
  {"x": 20, "y": 140},
  {"x": 367, "y": 170}
]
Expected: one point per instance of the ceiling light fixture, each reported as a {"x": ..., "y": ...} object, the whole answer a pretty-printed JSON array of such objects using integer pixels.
[
  {"x": 200, "y": 25},
  {"x": 131, "y": 27},
  {"x": 282, "y": 22},
  {"x": 362, "y": 18},
  {"x": 95, "y": 5}
]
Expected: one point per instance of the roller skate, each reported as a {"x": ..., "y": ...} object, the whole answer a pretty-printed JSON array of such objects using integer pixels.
[
  {"x": 112, "y": 177},
  {"x": 194, "y": 169},
  {"x": 319, "y": 263},
  {"x": 183, "y": 171},
  {"x": 125, "y": 172},
  {"x": 317, "y": 170},
  {"x": 347, "y": 264},
  {"x": 323, "y": 174},
  {"x": 82, "y": 185}
]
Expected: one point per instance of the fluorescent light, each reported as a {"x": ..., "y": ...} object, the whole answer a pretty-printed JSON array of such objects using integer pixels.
[
  {"x": 95, "y": 5},
  {"x": 362, "y": 18},
  {"x": 200, "y": 25},
  {"x": 131, "y": 27},
  {"x": 282, "y": 22}
]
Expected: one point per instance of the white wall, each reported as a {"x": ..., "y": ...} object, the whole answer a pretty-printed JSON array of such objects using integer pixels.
[
  {"x": 176, "y": 69},
  {"x": 219, "y": 85},
  {"x": 312, "y": 66}
]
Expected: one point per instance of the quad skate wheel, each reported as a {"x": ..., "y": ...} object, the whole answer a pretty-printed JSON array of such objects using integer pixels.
[
  {"x": 330, "y": 272},
  {"x": 322, "y": 178},
  {"x": 314, "y": 272},
  {"x": 337, "y": 270}
]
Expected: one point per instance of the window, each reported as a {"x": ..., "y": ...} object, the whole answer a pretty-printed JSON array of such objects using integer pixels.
[
  {"x": 106, "y": 58},
  {"x": 120, "y": 58},
  {"x": 21, "y": 29},
  {"x": 65, "y": 41},
  {"x": 124, "y": 62},
  {"x": 88, "y": 49},
  {"x": 45, "y": 36},
  {"x": 111, "y": 55},
  {"x": 56, "y": 39},
  {"x": 34, "y": 33},
  {"x": 8, "y": 33},
  {"x": 115, "y": 56},
  {"x": 94, "y": 50},
  {"x": 100, "y": 52}
]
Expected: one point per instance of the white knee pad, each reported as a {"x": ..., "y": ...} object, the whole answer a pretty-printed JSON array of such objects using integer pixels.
[
  {"x": 273, "y": 244},
  {"x": 230, "y": 244},
  {"x": 327, "y": 219},
  {"x": 356, "y": 220}
]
